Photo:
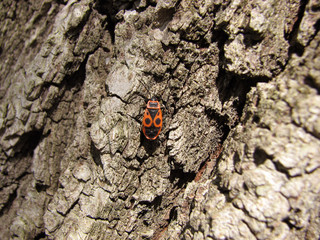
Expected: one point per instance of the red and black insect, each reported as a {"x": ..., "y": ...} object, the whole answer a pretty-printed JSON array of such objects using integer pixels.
[{"x": 152, "y": 119}]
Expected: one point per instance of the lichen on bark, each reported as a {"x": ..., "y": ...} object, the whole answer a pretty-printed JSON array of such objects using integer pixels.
[{"x": 238, "y": 154}]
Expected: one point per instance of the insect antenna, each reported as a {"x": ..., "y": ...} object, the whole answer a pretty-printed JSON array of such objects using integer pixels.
[{"x": 148, "y": 90}]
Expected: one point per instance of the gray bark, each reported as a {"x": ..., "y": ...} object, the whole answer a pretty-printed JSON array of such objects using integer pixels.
[{"x": 238, "y": 156}]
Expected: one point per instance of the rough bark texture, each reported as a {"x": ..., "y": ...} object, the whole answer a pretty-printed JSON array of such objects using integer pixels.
[{"x": 238, "y": 156}]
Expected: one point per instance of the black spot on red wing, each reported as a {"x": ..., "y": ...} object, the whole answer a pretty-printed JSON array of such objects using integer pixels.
[
  {"x": 148, "y": 121},
  {"x": 158, "y": 121}
]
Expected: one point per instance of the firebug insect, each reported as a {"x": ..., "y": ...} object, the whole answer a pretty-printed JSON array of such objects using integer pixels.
[{"x": 152, "y": 119}]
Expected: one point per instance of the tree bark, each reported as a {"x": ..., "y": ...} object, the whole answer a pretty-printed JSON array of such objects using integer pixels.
[{"x": 238, "y": 155}]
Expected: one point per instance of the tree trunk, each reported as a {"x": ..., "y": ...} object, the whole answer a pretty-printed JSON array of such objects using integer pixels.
[{"x": 238, "y": 155}]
